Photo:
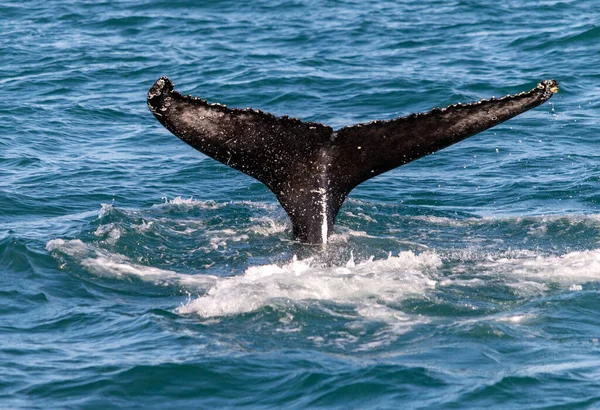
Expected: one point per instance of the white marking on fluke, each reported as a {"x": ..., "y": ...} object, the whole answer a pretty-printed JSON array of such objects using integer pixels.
[{"x": 323, "y": 201}]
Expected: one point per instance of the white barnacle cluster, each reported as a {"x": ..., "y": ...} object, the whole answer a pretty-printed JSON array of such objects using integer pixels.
[{"x": 492, "y": 99}]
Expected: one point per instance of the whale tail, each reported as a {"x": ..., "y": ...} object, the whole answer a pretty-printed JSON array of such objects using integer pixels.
[{"x": 310, "y": 167}]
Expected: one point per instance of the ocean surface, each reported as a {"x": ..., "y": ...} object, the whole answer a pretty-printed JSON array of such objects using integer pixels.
[{"x": 137, "y": 273}]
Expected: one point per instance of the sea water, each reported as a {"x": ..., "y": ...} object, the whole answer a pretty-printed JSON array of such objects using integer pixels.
[{"x": 136, "y": 272}]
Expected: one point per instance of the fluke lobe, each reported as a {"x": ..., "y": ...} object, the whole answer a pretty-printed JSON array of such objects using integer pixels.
[{"x": 310, "y": 167}]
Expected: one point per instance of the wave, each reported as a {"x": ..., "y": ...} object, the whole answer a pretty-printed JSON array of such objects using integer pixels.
[{"x": 374, "y": 288}]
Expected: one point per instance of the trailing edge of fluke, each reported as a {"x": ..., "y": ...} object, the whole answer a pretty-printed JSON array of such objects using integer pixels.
[{"x": 310, "y": 167}]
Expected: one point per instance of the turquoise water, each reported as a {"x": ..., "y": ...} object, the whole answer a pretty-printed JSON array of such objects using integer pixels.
[{"x": 135, "y": 272}]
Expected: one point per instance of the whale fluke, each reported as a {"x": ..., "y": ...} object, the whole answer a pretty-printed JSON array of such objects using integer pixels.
[{"x": 310, "y": 167}]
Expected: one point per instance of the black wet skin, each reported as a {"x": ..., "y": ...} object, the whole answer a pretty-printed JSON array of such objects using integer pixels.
[{"x": 310, "y": 167}]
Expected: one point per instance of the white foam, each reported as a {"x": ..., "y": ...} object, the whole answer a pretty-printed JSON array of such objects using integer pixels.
[
  {"x": 181, "y": 202},
  {"x": 389, "y": 280},
  {"x": 105, "y": 209},
  {"x": 441, "y": 220},
  {"x": 220, "y": 237},
  {"x": 112, "y": 232},
  {"x": 516, "y": 319},
  {"x": 190, "y": 202},
  {"x": 75, "y": 247},
  {"x": 568, "y": 269},
  {"x": 395, "y": 323},
  {"x": 525, "y": 272},
  {"x": 360, "y": 215},
  {"x": 103, "y": 263},
  {"x": 144, "y": 226},
  {"x": 344, "y": 233},
  {"x": 268, "y": 226},
  {"x": 370, "y": 286}
]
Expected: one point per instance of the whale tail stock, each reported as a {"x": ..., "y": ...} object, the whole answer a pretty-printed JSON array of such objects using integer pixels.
[{"x": 310, "y": 167}]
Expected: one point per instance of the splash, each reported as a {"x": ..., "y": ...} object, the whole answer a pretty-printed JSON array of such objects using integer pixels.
[
  {"x": 100, "y": 262},
  {"x": 371, "y": 288},
  {"x": 390, "y": 280},
  {"x": 188, "y": 203}
]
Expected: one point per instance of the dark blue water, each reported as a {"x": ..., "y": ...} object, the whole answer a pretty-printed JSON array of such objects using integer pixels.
[{"x": 135, "y": 272}]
